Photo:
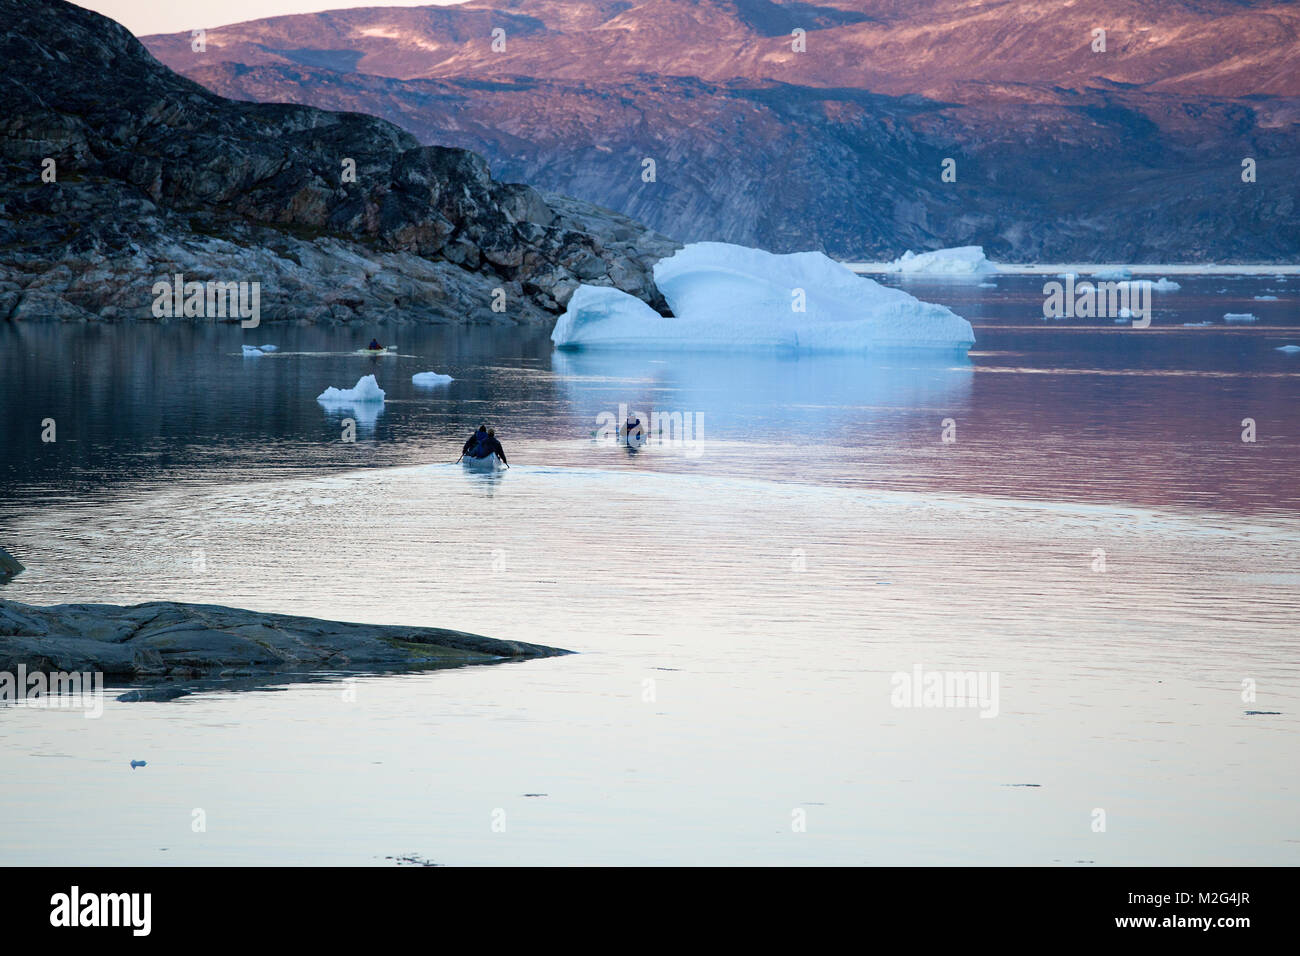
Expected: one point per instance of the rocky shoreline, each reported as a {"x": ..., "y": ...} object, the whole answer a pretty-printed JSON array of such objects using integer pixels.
[
  {"x": 165, "y": 641},
  {"x": 118, "y": 174}
]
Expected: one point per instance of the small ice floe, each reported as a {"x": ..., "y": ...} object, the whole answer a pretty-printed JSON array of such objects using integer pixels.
[
  {"x": 138, "y": 763},
  {"x": 430, "y": 379},
  {"x": 1197, "y": 325},
  {"x": 1288, "y": 349},
  {"x": 1122, "y": 321},
  {"x": 987, "y": 285},
  {"x": 958, "y": 261},
  {"x": 366, "y": 390},
  {"x": 252, "y": 351},
  {"x": 1239, "y": 317},
  {"x": 1164, "y": 285},
  {"x": 1265, "y": 298},
  {"x": 270, "y": 348},
  {"x": 1120, "y": 273}
]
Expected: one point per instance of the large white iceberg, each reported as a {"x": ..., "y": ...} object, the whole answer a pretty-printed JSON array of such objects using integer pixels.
[
  {"x": 365, "y": 391},
  {"x": 958, "y": 261},
  {"x": 731, "y": 297}
]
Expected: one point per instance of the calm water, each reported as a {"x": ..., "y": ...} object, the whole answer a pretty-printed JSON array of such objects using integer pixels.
[{"x": 740, "y": 602}]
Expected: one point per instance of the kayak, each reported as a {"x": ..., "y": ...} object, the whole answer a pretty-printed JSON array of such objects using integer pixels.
[{"x": 489, "y": 462}]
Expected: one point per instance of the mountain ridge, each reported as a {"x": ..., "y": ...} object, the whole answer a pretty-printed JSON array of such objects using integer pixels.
[{"x": 1061, "y": 153}]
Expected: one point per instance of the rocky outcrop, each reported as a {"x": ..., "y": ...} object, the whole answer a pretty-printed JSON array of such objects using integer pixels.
[
  {"x": 163, "y": 639},
  {"x": 118, "y": 174},
  {"x": 9, "y": 565},
  {"x": 1062, "y": 152}
]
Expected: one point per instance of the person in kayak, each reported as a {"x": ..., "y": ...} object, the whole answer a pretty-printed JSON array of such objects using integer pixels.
[
  {"x": 374, "y": 346},
  {"x": 492, "y": 446},
  {"x": 474, "y": 442},
  {"x": 632, "y": 427}
]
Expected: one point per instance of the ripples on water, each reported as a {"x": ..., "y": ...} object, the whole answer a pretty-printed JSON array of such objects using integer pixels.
[{"x": 767, "y": 587}]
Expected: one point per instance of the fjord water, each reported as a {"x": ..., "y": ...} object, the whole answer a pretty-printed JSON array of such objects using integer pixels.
[{"x": 1098, "y": 536}]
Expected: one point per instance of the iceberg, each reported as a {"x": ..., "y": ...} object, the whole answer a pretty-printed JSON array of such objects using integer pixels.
[
  {"x": 251, "y": 351},
  {"x": 366, "y": 390},
  {"x": 1265, "y": 298},
  {"x": 1288, "y": 349},
  {"x": 430, "y": 379},
  {"x": 1111, "y": 274},
  {"x": 727, "y": 297},
  {"x": 1239, "y": 317},
  {"x": 270, "y": 348},
  {"x": 958, "y": 261},
  {"x": 1165, "y": 285}
]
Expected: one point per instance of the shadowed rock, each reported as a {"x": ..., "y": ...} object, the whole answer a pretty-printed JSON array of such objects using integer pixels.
[
  {"x": 167, "y": 639},
  {"x": 9, "y": 565}
]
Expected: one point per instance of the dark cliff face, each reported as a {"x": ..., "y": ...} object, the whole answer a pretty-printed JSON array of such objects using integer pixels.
[
  {"x": 153, "y": 174},
  {"x": 1061, "y": 152}
]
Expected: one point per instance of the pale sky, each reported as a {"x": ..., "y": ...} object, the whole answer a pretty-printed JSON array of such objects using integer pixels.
[{"x": 143, "y": 17}]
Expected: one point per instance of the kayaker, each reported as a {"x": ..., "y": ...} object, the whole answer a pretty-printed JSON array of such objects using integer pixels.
[
  {"x": 632, "y": 427},
  {"x": 494, "y": 447},
  {"x": 374, "y": 346},
  {"x": 474, "y": 442}
]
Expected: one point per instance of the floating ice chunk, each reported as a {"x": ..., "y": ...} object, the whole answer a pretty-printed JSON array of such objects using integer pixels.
[
  {"x": 1123, "y": 320},
  {"x": 430, "y": 379},
  {"x": 731, "y": 297},
  {"x": 1197, "y": 325},
  {"x": 1239, "y": 317},
  {"x": 1265, "y": 298},
  {"x": 958, "y": 261},
  {"x": 366, "y": 390},
  {"x": 1107, "y": 274},
  {"x": 1125, "y": 312},
  {"x": 1288, "y": 349},
  {"x": 270, "y": 348},
  {"x": 1165, "y": 285},
  {"x": 251, "y": 351},
  {"x": 988, "y": 285}
]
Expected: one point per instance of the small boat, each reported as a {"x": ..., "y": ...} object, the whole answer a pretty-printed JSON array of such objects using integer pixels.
[
  {"x": 488, "y": 462},
  {"x": 636, "y": 437}
]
